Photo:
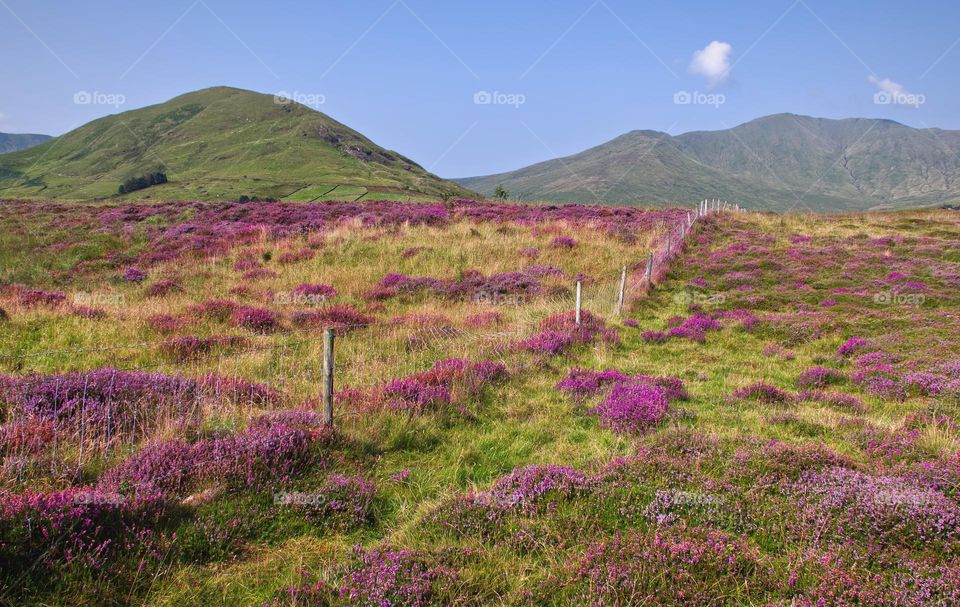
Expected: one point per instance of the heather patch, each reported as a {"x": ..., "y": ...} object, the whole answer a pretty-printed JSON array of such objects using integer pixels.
[
  {"x": 449, "y": 386},
  {"x": 688, "y": 567},
  {"x": 380, "y": 578},
  {"x": 257, "y": 320},
  {"x": 763, "y": 393},
  {"x": 341, "y": 318},
  {"x": 111, "y": 402},
  {"x": 844, "y": 505},
  {"x": 560, "y": 333},
  {"x": 257, "y": 458}
]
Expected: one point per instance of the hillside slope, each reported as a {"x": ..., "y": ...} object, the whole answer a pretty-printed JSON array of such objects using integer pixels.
[
  {"x": 777, "y": 162},
  {"x": 213, "y": 144}
]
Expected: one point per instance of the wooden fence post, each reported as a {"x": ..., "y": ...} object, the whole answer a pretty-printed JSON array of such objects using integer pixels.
[
  {"x": 623, "y": 286},
  {"x": 579, "y": 299},
  {"x": 328, "y": 377},
  {"x": 650, "y": 268}
]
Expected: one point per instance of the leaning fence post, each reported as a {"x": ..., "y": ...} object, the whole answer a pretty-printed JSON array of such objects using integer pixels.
[
  {"x": 623, "y": 286},
  {"x": 579, "y": 299},
  {"x": 328, "y": 377},
  {"x": 650, "y": 268}
]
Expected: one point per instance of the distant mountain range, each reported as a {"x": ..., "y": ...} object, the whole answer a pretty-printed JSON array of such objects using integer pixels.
[
  {"x": 217, "y": 143},
  {"x": 778, "y": 162},
  {"x": 13, "y": 142}
]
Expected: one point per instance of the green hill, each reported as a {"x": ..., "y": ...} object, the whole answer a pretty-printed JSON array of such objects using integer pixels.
[
  {"x": 777, "y": 162},
  {"x": 217, "y": 143},
  {"x": 13, "y": 142}
]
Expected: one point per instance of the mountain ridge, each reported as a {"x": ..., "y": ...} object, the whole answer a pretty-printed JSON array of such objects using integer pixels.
[
  {"x": 777, "y": 162},
  {"x": 14, "y": 142}
]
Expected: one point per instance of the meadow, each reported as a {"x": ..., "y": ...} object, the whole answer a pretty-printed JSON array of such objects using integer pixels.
[{"x": 773, "y": 423}]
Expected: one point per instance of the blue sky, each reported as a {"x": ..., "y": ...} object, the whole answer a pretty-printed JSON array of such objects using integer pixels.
[{"x": 568, "y": 74}]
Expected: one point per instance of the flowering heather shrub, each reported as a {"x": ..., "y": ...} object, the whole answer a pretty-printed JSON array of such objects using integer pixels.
[
  {"x": 219, "y": 310},
  {"x": 25, "y": 436},
  {"x": 530, "y": 252},
  {"x": 818, "y": 377},
  {"x": 38, "y": 297},
  {"x": 448, "y": 382},
  {"x": 473, "y": 285},
  {"x": 584, "y": 383},
  {"x": 162, "y": 287},
  {"x": 256, "y": 458},
  {"x": 563, "y": 242},
  {"x": 778, "y": 462},
  {"x": 852, "y": 346},
  {"x": 247, "y": 263},
  {"x": 837, "y": 400},
  {"x": 691, "y": 567},
  {"x": 298, "y": 419},
  {"x": 394, "y": 577},
  {"x": 472, "y": 515},
  {"x": 315, "y": 290},
  {"x": 846, "y": 581},
  {"x": 259, "y": 274},
  {"x": 132, "y": 274},
  {"x": 560, "y": 332},
  {"x": 87, "y": 312},
  {"x": 764, "y": 393},
  {"x": 695, "y": 328},
  {"x": 341, "y": 318},
  {"x": 887, "y": 509},
  {"x": 654, "y": 337},
  {"x": 258, "y": 320},
  {"x": 291, "y": 257},
  {"x": 344, "y": 502},
  {"x": 531, "y": 489},
  {"x": 84, "y": 527},
  {"x": 413, "y": 395},
  {"x": 925, "y": 383},
  {"x": 632, "y": 408},
  {"x": 483, "y": 320},
  {"x": 166, "y": 324},
  {"x": 631, "y": 322},
  {"x": 106, "y": 401}
]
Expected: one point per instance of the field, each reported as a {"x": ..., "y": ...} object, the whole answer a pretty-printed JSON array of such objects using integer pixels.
[{"x": 773, "y": 423}]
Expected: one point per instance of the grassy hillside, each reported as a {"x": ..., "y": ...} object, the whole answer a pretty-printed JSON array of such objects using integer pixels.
[
  {"x": 13, "y": 142},
  {"x": 215, "y": 143},
  {"x": 775, "y": 163}
]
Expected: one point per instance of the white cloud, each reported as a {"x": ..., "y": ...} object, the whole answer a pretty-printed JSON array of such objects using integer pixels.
[
  {"x": 712, "y": 62},
  {"x": 894, "y": 93}
]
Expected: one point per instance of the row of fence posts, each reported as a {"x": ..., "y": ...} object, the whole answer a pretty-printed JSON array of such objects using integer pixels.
[{"x": 705, "y": 208}]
